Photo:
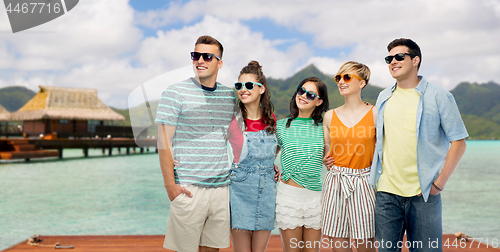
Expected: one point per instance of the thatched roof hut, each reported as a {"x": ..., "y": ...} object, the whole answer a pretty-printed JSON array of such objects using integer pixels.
[
  {"x": 65, "y": 103},
  {"x": 4, "y": 114}
]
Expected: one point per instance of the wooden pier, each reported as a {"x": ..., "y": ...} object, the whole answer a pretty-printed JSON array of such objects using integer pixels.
[
  {"x": 24, "y": 148},
  {"x": 154, "y": 243}
]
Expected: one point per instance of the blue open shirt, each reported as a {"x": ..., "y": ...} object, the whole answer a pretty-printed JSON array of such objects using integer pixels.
[{"x": 438, "y": 123}]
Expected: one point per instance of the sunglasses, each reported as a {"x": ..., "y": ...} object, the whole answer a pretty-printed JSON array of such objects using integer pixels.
[
  {"x": 248, "y": 85},
  {"x": 347, "y": 77},
  {"x": 206, "y": 56},
  {"x": 398, "y": 57},
  {"x": 309, "y": 94}
]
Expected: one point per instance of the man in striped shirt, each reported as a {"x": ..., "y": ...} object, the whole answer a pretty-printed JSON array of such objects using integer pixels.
[{"x": 193, "y": 117}]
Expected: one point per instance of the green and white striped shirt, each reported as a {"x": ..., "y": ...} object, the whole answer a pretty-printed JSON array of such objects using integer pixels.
[
  {"x": 302, "y": 147},
  {"x": 201, "y": 118}
]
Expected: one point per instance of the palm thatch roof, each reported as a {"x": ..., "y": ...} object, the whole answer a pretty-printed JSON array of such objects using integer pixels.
[
  {"x": 65, "y": 103},
  {"x": 4, "y": 114}
]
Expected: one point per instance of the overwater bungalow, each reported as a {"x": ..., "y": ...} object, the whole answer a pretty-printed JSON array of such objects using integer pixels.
[
  {"x": 4, "y": 114},
  {"x": 60, "y": 112},
  {"x": 4, "y": 121}
]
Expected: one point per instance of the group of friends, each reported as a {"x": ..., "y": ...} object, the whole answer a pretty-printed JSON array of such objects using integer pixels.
[{"x": 387, "y": 164}]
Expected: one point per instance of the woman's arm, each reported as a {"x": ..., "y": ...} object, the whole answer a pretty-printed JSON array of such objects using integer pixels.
[
  {"x": 276, "y": 169},
  {"x": 327, "y": 119}
]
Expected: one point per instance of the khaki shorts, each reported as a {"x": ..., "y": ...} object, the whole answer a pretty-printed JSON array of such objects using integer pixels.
[{"x": 202, "y": 220}]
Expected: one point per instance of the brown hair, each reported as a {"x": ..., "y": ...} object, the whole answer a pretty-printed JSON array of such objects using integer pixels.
[
  {"x": 207, "y": 40},
  {"x": 255, "y": 68},
  {"x": 413, "y": 48},
  {"x": 361, "y": 69}
]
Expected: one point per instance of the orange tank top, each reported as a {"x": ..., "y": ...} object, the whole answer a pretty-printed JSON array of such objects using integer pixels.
[{"x": 353, "y": 147}]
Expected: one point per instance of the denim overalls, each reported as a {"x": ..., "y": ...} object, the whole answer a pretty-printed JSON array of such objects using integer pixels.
[{"x": 252, "y": 190}]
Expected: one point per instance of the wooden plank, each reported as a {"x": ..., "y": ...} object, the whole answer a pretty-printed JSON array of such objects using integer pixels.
[
  {"x": 6, "y": 155},
  {"x": 24, "y": 147},
  {"x": 90, "y": 143},
  {"x": 18, "y": 141},
  {"x": 153, "y": 243},
  {"x": 28, "y": 154},
  {"x": 49, "y": 148},
  {"x": 112, "y": 243}
]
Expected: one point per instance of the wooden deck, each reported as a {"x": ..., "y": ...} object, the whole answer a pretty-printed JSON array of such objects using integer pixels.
[
  {"x": 27, "y": 155},
  {"x": 153, "y": 243},
  {"x": 23, "y": 148}
]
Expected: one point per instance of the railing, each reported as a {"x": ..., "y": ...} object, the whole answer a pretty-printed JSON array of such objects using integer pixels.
[
  {"x": 114, "y": 131},
  {"x": 103, "y": 131},
  {"x": 8, "y": 129}
]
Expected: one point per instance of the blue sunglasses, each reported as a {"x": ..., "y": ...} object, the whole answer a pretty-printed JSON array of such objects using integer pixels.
[
  {"x": 309, "y": 94},
  {"x": 248, "y": 85}
]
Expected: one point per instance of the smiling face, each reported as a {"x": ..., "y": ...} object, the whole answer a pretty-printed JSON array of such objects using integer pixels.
[
  {"x": 250, "y": 96},
  {"x": 401, "y": 70},
  {"x": 305, "y": 105},
  {"x": 354, "y": 86},
  {"x": 207, "y": 71}
]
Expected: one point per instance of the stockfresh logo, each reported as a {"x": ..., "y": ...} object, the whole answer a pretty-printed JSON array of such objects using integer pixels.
[{"x": 26, "y": 14}]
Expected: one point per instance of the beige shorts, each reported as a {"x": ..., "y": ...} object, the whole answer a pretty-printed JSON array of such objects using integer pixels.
[{"x": 202, "y": 220}]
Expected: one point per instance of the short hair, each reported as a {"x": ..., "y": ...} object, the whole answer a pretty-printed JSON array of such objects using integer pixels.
[
  {"x": 207, "y": 40},
  {"x": 361, "y": 69},
  {"x": 413, "y": 48}
]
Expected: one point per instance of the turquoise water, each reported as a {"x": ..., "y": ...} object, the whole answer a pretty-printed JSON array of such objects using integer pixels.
[{"x": 122, "y": 194}]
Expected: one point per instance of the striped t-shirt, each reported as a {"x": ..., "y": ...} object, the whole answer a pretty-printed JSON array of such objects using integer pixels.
[
  {"x": 302, "y": 147},
  {"x": 201, "y": 118}
]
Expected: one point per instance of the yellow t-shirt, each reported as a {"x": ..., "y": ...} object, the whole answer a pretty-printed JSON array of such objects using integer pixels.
[{"x": 399, "y": 164}]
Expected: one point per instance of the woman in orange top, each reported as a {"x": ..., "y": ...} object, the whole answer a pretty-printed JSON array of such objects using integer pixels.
[{"x": 348, "y": 197}]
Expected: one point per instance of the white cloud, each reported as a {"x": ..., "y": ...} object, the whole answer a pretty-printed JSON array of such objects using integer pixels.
[
  {"x": 326, "y": 65},
  {"x": 99, "y": 45},
  {"x": 34, "y": 82},
  {"x": 170, "y": 49},
  {"x": 176, "y": 12},
  {"x": 379, "y": 72},
  {"x": 88, "y": 47},
  {"x": 91, "y": 31},
  {"x": 451, "y": 33},
  {"x": 114, "y": 80}
]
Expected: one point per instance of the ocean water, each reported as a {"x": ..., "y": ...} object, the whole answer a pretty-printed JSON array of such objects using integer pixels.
[{"x": 124, "y": 194}]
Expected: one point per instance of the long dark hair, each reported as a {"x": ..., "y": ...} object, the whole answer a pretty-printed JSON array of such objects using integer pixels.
[
  {"x": 317, "y": 114},
  {"x": 255, "y": 68}
]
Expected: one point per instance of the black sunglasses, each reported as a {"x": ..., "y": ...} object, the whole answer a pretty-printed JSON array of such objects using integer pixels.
[
  {"x": 398, "y": 57},
  {"x": 206, "y": 56},
  {"x": 309, "y": 94},
  {"x": 248, "y": 85}
]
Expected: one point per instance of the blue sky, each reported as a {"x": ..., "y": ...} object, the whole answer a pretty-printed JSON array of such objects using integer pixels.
[
  {"x": 115, "y": 46},
  {"x": 266, "y": 26}
]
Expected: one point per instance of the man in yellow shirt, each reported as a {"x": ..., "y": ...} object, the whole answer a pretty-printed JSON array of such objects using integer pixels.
[{"x": 420, "y": 141}]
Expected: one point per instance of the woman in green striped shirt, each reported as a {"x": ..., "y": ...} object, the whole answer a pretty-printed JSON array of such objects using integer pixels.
[{"x": 300, "y": 139}]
